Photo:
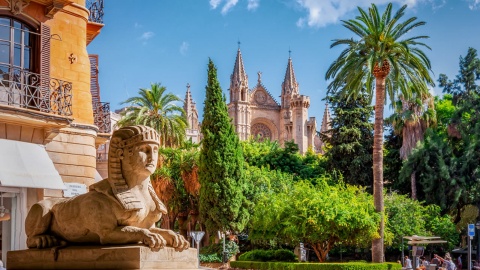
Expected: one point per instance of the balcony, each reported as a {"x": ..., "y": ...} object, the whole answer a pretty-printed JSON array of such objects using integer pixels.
[
  {"x": 95, "y": 19},
  {"x": 96, "y": 10},
  {"x": 30, "y": 92},
  {"x": 101, "y": 116}
]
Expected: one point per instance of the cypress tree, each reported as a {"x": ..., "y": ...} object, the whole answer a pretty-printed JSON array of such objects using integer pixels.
[{"x": 221, "y": 173}]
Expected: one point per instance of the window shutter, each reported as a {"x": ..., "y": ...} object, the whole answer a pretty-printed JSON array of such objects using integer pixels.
[{"x": 45, "y": 66}]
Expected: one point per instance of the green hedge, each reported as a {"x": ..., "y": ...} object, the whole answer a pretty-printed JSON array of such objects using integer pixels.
[
  {"x": 314, "y": 266},
  {"x": 259, "y": 255}
]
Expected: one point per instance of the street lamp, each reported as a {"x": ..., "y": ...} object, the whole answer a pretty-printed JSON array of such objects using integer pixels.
[
  {"x": 197, "y": 236},
  {"x": 477, "y": 225}
]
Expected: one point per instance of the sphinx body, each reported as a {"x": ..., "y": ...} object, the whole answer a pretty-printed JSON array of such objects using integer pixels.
[{"x": 121, "y": 209}]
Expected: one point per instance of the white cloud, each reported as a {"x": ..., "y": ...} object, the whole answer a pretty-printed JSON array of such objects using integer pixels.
[
  {"x": 253, "y": 4},
  {"x": 228, "y": 6},
  {"x": 137, "y": 25},
  {"x": 184, "y": 48},
  {"x": 324, "y": 12},
  {"x": 474, "y": 4},
  {"x": 214, "y": 3},
  {"x": 147, "y": 35}
]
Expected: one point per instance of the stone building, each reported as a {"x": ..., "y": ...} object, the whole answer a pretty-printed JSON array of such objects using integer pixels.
[
  {"x": 48, "y": 132},
  {"x": 256, "y": 114}
]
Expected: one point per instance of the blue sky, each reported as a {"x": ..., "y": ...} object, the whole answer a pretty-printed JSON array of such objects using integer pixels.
[{"x": 170, "y": 41}]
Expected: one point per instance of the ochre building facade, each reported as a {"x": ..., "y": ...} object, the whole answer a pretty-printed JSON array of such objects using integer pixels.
[{"x": 46, "y": 105}]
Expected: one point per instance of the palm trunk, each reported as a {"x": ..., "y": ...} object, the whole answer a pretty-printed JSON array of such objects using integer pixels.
[
  {"x": 414, "y": 186},
  {"x": 377, "y": 244}
]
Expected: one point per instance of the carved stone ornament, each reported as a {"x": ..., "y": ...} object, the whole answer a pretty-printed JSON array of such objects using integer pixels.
[
  {"x": 17, "y": 6},
  {"x": 261, "y": 132},
  {"x": 121, "y": 209},
  {"x": 260, "y": 97}
]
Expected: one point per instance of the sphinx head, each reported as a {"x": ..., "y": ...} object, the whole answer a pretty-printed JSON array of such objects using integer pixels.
[{"x": 133, "y": 149}]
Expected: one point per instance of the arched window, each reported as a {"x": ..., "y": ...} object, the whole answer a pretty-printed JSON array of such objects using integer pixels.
[
  {"x": 22, "y": 81},
  {"x": 16, "y": 45}
]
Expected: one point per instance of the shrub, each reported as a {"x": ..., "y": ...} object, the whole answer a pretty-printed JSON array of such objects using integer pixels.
[
  {"x": 314, "y": 266},
  {"x": 210, "y": 258},
  {"x": 279, "y": 255},
  {"x": 231, "y": 248}
]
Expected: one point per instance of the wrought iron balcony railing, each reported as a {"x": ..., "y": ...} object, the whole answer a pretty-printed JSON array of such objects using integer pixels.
[
  {"x": 25, "y": 89},
  {"x": 101, "y": 116},
  {"x": 96, "y": 10}
]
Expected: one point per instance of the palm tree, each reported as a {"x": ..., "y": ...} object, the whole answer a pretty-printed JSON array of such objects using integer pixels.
[
  {"x": 412, "y": 117},
  {"x": 383, "y": 55},
  {"x": 156, "y": 109}
]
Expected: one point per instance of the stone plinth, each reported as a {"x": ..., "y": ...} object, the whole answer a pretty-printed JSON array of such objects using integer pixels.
[{"x": 103, "y": 257}]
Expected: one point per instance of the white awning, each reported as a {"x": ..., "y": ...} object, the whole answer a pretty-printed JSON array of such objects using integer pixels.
[{"x": 27, "y": 165}]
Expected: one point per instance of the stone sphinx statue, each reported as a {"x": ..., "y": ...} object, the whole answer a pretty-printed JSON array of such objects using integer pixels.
[{"x": 121, "y": 209}]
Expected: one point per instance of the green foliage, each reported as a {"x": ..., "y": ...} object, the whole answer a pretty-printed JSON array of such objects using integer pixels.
[
  {"x": 381, "y": 40},
  {"x": 319, "y": 215},
  {"x": 264, "y": 182},
  {"x": 210, "y": 258},
  {"x": 445, "y": 110},
  {"x": 432, "y": 161},
  {"x": 351, "y": 139},
  {"x": 315, "y": 266},
  {"x": 464, "y": 85},
  {"x": 231, "y": 249},
  {"x": 392, "y": 163},
  {"x": 259, "y": 255},
  {"x": 382, "y": 57},
  {"x": 270, "y": 155},
  {"x": 157, "y": 109},
  {"x": 223, "y": 205},
  {"x": 410, "y": 217}
]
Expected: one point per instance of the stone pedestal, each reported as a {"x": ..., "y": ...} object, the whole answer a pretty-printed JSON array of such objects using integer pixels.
[{"x": 103, "y": 257}]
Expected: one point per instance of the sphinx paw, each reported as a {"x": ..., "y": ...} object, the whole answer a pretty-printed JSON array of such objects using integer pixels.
[
  {"x": 153, "y": 240},
  {"x": 42, "y": 241}
]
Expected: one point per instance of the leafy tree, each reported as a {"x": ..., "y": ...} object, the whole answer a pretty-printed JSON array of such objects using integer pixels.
[
  {"x": 464, "y": 85},
  {"x": 411, "y": 217},
  {"x": 270, "y": 155},
  {"x": 157, "y": 109},
  {"x": 432, "y": 162},
  {"x": 320, "y": 216},
  {"x": 445, "y": 109},
  {"x": 381, "y": 54},
  {"x": 351, "y": 139},
  {"x": 222, "y": 178}
]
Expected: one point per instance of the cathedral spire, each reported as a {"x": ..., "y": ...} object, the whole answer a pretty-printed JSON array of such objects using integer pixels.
[
  {"x": 239, "y": 76},
  {"x": 290, "y": 85},
  {"x": 187, "y": 105},
  {"x": 326, "y": 120}
]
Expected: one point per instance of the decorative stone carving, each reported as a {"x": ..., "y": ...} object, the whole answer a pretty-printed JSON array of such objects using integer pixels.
[
  {"x": 261, "y": 132},
  {"x": 17, "y": 6},
  {"x": 260, "y": 97},
  {"x": 121, "y": 209}
]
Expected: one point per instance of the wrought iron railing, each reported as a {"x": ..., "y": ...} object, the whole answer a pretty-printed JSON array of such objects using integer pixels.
[
  {"x": 24, "y": 89},
  {"x": 101, "y": 116},
  {"x": 96, "y": 10}
]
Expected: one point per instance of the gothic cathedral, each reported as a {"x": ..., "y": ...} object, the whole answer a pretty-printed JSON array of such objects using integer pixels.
[{"x": 256, "y": 114}]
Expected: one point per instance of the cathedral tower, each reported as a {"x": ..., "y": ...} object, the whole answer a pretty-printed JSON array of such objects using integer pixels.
[
  {"x": 289, "y": 89},
  {"x": 238, "y": 108},
  {"x": 191, "y": 113}
]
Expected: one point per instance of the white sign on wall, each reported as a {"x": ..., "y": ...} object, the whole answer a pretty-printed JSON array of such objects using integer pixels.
[{"x": 74, "y": 189}]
